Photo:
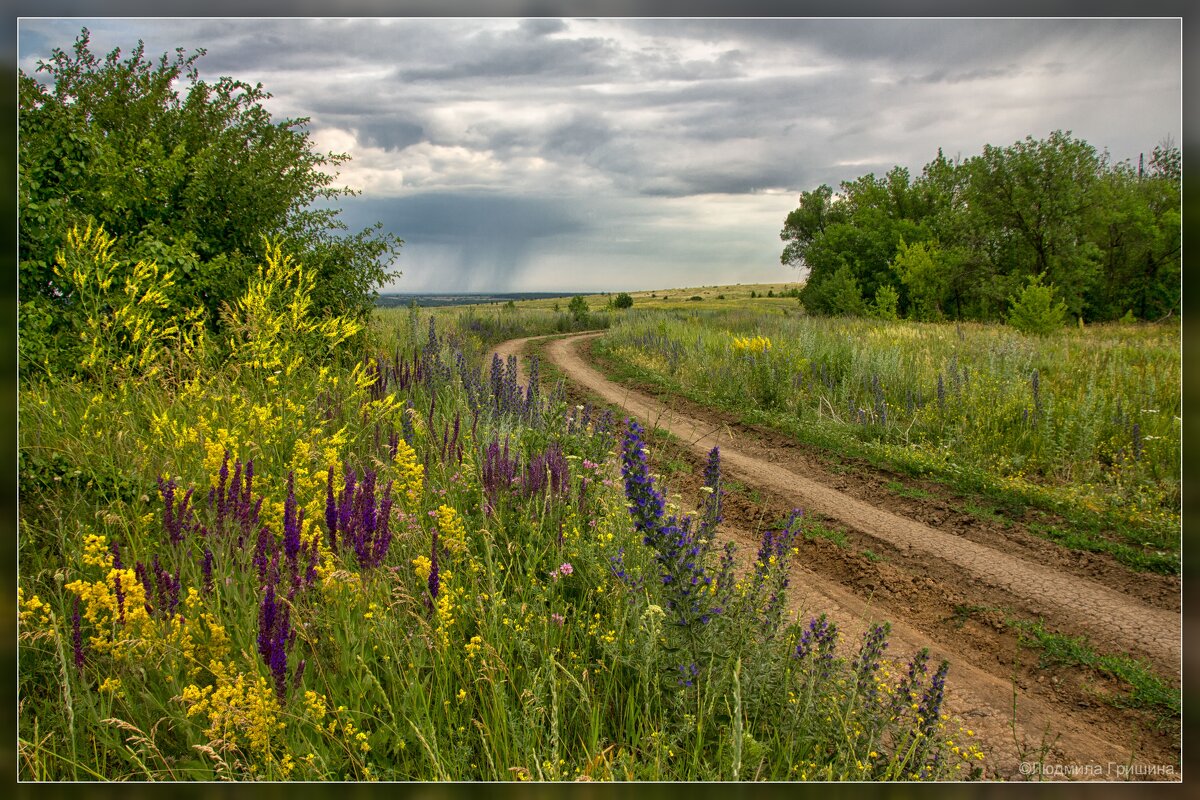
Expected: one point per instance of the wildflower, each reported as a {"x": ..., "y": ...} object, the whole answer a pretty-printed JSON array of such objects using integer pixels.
[
  {"x": 422, "y": 566},
  {"x": 206, "y": 570},
  {"x": 869, "y": 657},
  {"x": 77, "y": 634},
  {"x": 453, "y": 532},
  {"x": 563, "y": 570},
  {"x": 754, "y": 344},
  {"x": 433, "y": 581},
  {"x": 558, "y": 619}
]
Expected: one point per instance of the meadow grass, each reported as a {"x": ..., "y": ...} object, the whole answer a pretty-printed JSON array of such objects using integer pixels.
[
  {"x": 393, "y": 562},
  {"x": 1084, "y": 423}
]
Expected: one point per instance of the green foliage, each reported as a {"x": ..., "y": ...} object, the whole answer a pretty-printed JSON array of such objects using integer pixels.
[
  {"x": 578, "y": 308},
  {"x": 926, "y": 279},
  {"x": 886, "y": 301},
  {"x": 1103, "y": 232},
  {"x": 837, "y": 295},
  {"x": 183, "y": 173},
  {"x": 623, "y": 300},
  {"x": 1034, "y": 310}
]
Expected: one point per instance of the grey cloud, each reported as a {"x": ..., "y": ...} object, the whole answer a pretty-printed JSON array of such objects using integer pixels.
[
  {"x": 440, "y": 217},
  {"x": 391, "y": 134}
]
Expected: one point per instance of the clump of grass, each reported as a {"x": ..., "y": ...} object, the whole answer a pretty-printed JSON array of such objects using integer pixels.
[
  {"x": 908, "y": 491},
  {"x": 816, "y": 530},
  {"x": 1144, "y": 689}
]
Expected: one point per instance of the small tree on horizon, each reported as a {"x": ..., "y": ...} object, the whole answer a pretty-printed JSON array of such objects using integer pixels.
[{"x": 623, "y": 300}]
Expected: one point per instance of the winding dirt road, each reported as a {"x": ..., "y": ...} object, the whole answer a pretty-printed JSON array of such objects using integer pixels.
[{"x": 1016, "y": 718}]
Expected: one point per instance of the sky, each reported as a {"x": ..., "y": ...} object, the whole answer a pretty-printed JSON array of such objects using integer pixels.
[{"x": 599, "y": 154}]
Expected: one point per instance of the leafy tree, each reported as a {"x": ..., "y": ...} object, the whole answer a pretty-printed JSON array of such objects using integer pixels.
[
  {"x": 188, "y": 174},
  {"x": 1039, "y": 194},
  {"x": 623, "y": 300},
  {"x": 886, "y": 301},
  {"x": 837, "y": 295},
  {"x": 578, "y": 308},
  {"x": 1107, "y": 235},
  {"x": 1034, "y": 311},
  {"x": 922, "y": 273}
]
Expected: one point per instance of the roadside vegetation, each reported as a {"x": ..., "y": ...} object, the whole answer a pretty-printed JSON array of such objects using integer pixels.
[{"x": 1084, "y": 423}]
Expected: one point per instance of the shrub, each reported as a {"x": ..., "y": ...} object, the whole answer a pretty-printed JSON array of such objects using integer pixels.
[
  {"x": 623, "y": 300},
  {"x": 886, "y": 301},
  {"x": 1034, "y": 310},
  {"x": 578, "y": 308}
]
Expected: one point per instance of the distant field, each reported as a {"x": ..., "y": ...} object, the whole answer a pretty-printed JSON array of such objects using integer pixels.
[
  {"x": 766, "y": 296},
  {"x": 434, "y": 300}
]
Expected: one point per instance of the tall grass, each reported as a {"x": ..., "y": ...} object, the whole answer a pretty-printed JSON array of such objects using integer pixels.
[
  {"x": 433, "y": 573},
  {"x": 1086, "y": 421}
]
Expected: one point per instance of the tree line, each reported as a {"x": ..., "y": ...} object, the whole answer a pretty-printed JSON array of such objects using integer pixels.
[{"x": 964, "y": 237}]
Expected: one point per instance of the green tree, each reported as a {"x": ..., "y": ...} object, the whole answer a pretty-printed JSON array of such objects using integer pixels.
[
  {"x": 623, "y": 300},
  {"x": 919, "y": 269},
  {"x": 1034, "y": 311},
  {"x": 886, "y": 301},
  {"x": 1037, "y": 198},
  {"x": 578, "y": 308},
  {"x": 188, "y": 174}
]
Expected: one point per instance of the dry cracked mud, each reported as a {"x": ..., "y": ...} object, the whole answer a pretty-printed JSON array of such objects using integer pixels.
[{"x": 943, "y": 579}]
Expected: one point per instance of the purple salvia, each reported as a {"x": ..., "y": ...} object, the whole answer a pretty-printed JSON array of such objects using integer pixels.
[
  {"x": 167, "y": 490},
  {"x": 383, "y": 536},
  {"x": 433, "y": 567},
  {"x": 234, "y": 494},
  {"x": 264, "y": 551},
  {"x": 346, "y": 503},
  {"x": 331, "y": 511},
  {"x": 139, "y": 569},
  {"x": 291, "y": 522},
  {"x": 77, "y": 634},
  {"x": 206, "y": 569},
  {"x": 250, "y": 511},
  {"x": 266, "y": 621},
  {"x": 222, "y": 482},
  {"x": 120, "y": 597}
]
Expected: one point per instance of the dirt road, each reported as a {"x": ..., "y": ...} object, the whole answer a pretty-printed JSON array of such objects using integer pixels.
[{"x": 930, "y": 574}]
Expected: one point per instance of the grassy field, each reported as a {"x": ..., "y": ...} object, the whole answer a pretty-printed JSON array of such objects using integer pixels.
[
  {"x": 1085, "y": 423},
  {"x": 285, "y": 559}
]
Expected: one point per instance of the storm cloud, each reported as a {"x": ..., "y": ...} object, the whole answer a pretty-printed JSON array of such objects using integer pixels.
[{"x": 608, "y": 154}]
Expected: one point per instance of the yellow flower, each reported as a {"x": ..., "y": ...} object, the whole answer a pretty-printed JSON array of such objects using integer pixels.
[
  {"x": 755, "y": 344},
  {"x": 410, "y": 475},
  {"x": 454, "y": 533},
  {"x": 422, "y": 566}
]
